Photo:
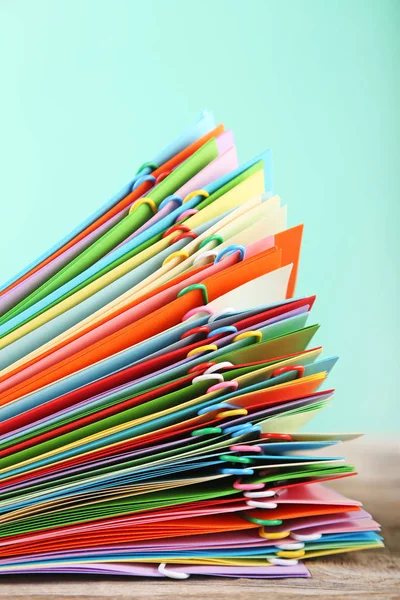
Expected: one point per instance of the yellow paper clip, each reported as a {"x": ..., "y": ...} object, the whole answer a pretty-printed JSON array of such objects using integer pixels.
[
  {"x": 269, "y": 535},
  {"x": 194, "y": 194},
  {"x": 248, "y": 334},
  {"x": 201, "y": 349},
  {"x": 291, "y": 553},
  {"x": 232, "y": 413},
  {"x": 141, "y": 201},
  {"x": 181, "y": 253}
]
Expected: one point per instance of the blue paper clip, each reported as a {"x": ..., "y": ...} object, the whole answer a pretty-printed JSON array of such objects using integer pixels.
[
  {"x": 230, "y": 250},
  {"x": 172, "y": 198}
]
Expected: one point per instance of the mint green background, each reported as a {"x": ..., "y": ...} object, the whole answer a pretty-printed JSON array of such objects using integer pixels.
[{"x": 90, "y": 89}]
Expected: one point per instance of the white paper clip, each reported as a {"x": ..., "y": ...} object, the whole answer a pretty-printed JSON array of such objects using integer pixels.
[
  {"x": 205, "y": 255},
  {"x": 172, "y": 574},
  {"x": 255, "y": 504},
  {"x": 266, "y": 494},
  {"x": 311, "y": 537},
  {"x": 283, "y": 562},
  {"x": 293, "y": 546},
  {"x": 208, "y": 377},
  {"x": 225, "y": 312},
  {"x": 222, "y": 365}
]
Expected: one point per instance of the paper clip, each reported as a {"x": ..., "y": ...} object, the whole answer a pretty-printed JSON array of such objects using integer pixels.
[
  {"x": 221, "y": 330},
  {"x": 235, "y": 459},
  {"x": 233, "y": 385},
  {"x": 195, "y": 331},
  {"x": 238, "y": 485},
  {"x": 204, "y": 377},
  {"x": 245, "y": 448},
  {"x": 201, "y": 367},
  {"x": 147, "y": 201},
  {"x": 201, "y": 349},
  {"x": 241, "y": 427},
  {"x": 283, "y": 562},
  {"x": 147, "y": 165},
  {"x": 172, "y": 574},
  {"x": 264, "y": 494},
  {"x": 217, "y": 366},
  {"x": 228, "y": 471},
  {"x": 222, "y": 313},
  {"x": 197, "y": 309},
  {"x": 195, "y": 193},
  {"x": 245, "y": 430},
  {"x": 162, "y": 176},
  {"x": 311, "y": 537},
  {"x": 280, "y": 370},
  {"x": 143, "y": 179},
  {"x": 208, "y": 409},
  {"x": 182, "y": 236},
  {"x": 231, "y": 413},
  {"x": 168, "y": 199},
  {"x": 256, "y": 504},
  {"x": 269, "y": 535},
  {"x": 290, "y": 554},
  {"x": 212, "y": 238},
  {"x": 248, "y": 334},
  {"x": 292, "y": 546},
  {"x": 267, "y": 522},
  {"x": 206, "y": 431},
  {"x": 226, "y": 384},
  {"x": 186, "y": 213},
  {"x": 180, "y": 228},
  {"x": 231, "y": 250},
  {"x": 277, "y": 436},
  {"x": 178, "y": 253},
  {"x": 204, "y": 255},
  {"x": 195, "y": 286}
]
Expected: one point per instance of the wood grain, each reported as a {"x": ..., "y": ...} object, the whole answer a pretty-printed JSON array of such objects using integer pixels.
[{"x": 358, "y": 575}]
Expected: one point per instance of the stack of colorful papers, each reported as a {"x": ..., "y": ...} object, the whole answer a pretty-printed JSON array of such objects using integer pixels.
[{"x": 156, "y": 372}]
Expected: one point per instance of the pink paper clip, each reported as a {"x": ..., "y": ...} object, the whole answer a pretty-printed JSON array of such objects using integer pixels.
[
  {"x": 244, "y": 448},
  {"x": 223, "y": 385}
]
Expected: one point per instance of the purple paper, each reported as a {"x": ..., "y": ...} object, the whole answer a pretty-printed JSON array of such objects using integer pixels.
[{"x": 150, "y": 570}]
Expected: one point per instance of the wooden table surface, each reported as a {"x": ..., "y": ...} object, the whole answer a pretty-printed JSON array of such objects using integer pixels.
[{"x": 358, "y": 575}]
